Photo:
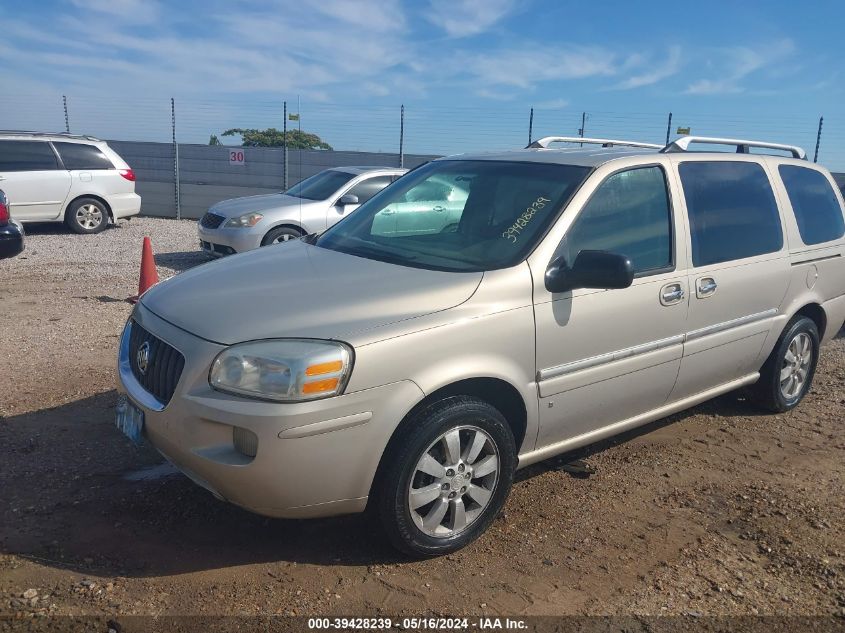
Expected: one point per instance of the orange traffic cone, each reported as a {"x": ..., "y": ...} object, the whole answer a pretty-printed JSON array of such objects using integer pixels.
[{"x": 149, "y": 274}]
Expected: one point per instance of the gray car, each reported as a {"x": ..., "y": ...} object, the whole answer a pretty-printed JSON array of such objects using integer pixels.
[
  {"x": 313, "y": 205},
  {"x": 483, "y": 313}
]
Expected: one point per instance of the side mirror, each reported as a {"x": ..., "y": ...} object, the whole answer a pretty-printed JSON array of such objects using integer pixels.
[
  {"x": 349, "y": 198},
  {"x": 591, "y": 269}
]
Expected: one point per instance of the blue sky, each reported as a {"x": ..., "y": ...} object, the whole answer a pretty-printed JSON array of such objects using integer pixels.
[{"x": 467, "y": 70}]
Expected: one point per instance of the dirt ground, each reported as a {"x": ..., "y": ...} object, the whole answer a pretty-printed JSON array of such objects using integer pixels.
[{"x": 718, "y": 510}]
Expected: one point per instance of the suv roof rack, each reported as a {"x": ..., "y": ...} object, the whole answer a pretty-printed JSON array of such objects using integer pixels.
[
  {"x": 604, "y": 142},
  {"x": 742, "y": 146},
  {"x": 33, "y": 133}
]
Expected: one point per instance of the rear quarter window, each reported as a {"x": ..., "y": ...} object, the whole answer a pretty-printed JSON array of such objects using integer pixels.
[
  {"x": 82, "y": 156},
  {"x": 732, "y": 211},
  {"x": 816, "y": 207}
]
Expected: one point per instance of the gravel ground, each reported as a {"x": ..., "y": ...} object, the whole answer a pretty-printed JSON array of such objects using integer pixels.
[{"x": 716, "y": 511}]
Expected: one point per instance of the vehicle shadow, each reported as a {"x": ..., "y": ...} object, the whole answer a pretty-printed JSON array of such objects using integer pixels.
[
  {"x": 181, "y": 261},
  {"x": 80, "y": 496},
  {"x": 58, "y": 228},
  {"x": 730, "y": 404}
]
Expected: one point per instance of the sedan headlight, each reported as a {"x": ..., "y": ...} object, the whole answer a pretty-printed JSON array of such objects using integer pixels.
[
  {"x": 285, "y": 370},
  {"x": 244, "y": 221}
]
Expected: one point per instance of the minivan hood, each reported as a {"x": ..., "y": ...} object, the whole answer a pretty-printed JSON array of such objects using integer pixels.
[
  {"x": 300, "y": 290},
  {"x": 238, "y": 206}
]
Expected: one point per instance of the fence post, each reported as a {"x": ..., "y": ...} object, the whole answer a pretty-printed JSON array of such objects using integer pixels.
[
  {"x": 668, "y": 128},
  {"x": 67, "y": 122},
  {"x": 175, "y": 159},
  {"x": 530, "y": 125},
  {"x": 818, "y": 139},
  {"x": 285, "y": 146},
  {"x": 402, "y": 136}
]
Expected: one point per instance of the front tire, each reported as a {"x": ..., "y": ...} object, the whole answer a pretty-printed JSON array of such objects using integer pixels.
[
  {"x": 280, "y": 234},
  {"x": 446, "y": 477},
  {"x": 87, "y": 215},
  {"x": 788, "y": 373}
]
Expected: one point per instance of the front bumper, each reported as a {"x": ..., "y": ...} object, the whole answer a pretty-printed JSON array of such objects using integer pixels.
[
  {"x": 314, "y": 458},
  {"x": 236, "y": 239}
]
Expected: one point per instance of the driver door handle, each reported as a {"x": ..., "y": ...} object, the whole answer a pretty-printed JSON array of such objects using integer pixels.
[
  {"x": 705, "y": 287},
  {"x": 672, "y": 294}
]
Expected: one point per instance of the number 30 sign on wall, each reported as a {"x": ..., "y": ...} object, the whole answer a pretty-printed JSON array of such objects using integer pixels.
[{"x": 236, "y": 157}]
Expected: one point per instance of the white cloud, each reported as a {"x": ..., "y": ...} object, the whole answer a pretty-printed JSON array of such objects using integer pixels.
[
  {"x": 134, "y": 11},
  {"x": 654, "y": 72},
  {"x": 552, "y": 104},
  {"x": 738, "y": 63},
  {"x": 524, "y": 68},
  {"x": 462, "y": 18}
]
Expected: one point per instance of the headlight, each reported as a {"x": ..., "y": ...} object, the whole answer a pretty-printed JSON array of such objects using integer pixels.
[
  {"x": 246, "y": 220},
  {"x": 285, "y": 370}
]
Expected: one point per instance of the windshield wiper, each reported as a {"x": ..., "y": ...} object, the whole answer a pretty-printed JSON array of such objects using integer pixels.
[{"x": 373, "y": 249}]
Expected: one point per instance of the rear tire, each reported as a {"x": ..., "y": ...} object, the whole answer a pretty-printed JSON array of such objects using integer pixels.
[
  {"x": 787, "y": 375},
  {"x": 445, "y": 477},
  {"x": 86, "y": 215},
  {"x": 281, "y": 234}
]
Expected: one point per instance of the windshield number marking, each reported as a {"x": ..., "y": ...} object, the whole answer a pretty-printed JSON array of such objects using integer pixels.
[{"x": 513, "y": 231}]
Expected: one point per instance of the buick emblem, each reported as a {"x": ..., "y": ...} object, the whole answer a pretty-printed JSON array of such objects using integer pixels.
[{"x": 142, "y": 358}]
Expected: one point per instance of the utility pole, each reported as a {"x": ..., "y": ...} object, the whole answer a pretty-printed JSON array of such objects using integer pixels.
[
  {"x": 668, "y": 128},
  {"x": 583, "y": 123},
  {"x": 67, "y": 122},
  {"x": 285, "y": 147},
  {"x": 818, "y": 140},
  {"x": 530, "y": 125},
  {"x": 402, "y": 136},
  {"x": 175, "y": 159}
]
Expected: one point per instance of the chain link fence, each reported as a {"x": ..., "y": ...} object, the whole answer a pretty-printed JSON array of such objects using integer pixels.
[{"x": 179, "y": 174}]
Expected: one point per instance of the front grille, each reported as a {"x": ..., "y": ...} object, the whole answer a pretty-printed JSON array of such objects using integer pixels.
[
  {"x": 211, "y": 220},
  {"x": 164, "y": 365},
  {"x": 217, "y": 249}
]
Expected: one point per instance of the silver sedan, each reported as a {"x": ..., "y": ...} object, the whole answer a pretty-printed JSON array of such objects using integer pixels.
[{"x": 313, "y": 205}]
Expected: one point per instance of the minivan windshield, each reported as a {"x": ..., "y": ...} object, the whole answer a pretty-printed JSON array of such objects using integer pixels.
[
  {"x": 458, "y": 215},
  {"x": 320, "y": 186}
]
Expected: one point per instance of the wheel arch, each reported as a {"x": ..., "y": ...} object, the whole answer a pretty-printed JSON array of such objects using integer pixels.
[
  {"x": 497, "y": 392},
  {"x": 93, "y": 196},
  {"x": 816, "y": 314},
  {"x": 289, "y": 224}
]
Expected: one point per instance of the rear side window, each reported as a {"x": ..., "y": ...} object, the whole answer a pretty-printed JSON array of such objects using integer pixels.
[
  {"x": 81, "y": 156},
  {"x": 732, "y": 211},
  {"x": 815, "y": 204},
  {"x": 629, "y": 214},
  {"x": 27, "y": 156},
  {"x": 366, "y": 189}
]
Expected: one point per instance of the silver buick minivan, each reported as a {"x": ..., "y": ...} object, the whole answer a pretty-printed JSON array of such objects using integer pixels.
[{"x": 570, "y": 295}]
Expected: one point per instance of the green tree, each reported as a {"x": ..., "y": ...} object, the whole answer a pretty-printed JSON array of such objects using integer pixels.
[
  {"x": 213, "y": 140},
  {"x": 272, "y": 137}
]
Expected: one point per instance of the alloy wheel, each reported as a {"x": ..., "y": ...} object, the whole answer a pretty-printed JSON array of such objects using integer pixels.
[
  {"x": 89, "y": 216},
  {"x": 453, "y": 481},
  {"x": 796, "y": 365}
]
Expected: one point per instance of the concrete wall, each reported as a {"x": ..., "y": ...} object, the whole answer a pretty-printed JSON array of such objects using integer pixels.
[{"x": 206, "y": 177}]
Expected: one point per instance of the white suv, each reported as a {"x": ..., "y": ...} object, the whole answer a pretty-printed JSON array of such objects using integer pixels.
[{"x": 78, "y": 180}]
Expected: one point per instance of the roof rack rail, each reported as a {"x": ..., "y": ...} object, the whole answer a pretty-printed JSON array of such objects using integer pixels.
[
  {"x": 604, "y": 142},
  {"x": 742, "y": 146},
  {"x": 34, "y": 133}
]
